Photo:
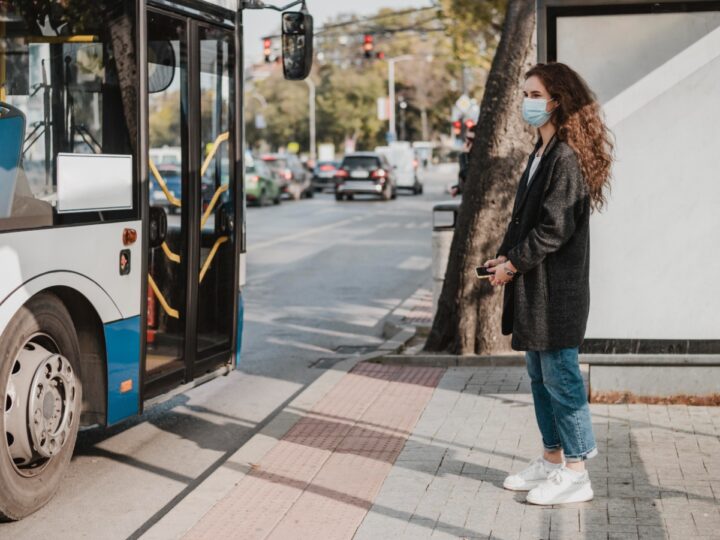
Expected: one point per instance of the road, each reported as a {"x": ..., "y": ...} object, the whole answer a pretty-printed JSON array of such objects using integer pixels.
[{"x": 322, "y": 276}]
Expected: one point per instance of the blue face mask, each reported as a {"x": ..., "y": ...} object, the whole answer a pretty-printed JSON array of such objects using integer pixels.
[{"x": 534, "y": 113}]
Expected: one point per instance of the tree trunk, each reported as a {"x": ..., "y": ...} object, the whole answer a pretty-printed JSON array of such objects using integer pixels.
[{"x": 468, "y": 319}]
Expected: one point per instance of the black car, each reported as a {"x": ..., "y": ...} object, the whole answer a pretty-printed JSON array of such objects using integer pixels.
[
  {"x": 324, "y": 175},
  {"x": 296, "y": 179},
  {"x": 365, "y": 173}
]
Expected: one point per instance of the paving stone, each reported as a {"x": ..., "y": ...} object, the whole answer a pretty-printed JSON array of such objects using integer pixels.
[{"x": 395, "y": 453}]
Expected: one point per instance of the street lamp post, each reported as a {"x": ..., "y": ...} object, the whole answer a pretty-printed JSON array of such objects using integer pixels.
[
  {"x": 391, "y": 90},
  {"x": 311, "y": 102}
]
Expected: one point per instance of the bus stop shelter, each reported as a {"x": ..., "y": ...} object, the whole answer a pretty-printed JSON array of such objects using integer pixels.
[{"x": 655, "y": 67}]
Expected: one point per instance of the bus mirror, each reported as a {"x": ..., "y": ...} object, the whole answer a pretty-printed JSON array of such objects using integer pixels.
[
  {"x": 297, "y": 44},
  {"x": 161, "y": 66},
  {"x": 157, "y": 227}
]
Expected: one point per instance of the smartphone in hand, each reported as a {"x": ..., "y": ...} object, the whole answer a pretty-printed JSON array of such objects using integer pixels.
[{"x": 482, "y": 272}]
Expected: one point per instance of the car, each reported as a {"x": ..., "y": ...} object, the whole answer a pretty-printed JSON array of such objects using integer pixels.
[
  {"x": 365, "y": 173},
  {"x": 324, "y": 175},
  {"x": 296, "y": 180},
  {"x": 171, "y": 173},
  {"x": 401, "y": 156},
  {"x": 262, "y": 184}
]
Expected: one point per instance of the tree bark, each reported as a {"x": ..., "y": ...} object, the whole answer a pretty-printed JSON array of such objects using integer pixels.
[{"x": 468, "y": 319}]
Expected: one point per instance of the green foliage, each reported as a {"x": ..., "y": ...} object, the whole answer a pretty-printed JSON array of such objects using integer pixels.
[
  {"x": 476, "y": 28},
  {"x": 457, "y": 36}
]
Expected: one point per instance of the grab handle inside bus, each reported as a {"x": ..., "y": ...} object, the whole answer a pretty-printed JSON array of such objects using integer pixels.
[{"x": 158, "y": 226}]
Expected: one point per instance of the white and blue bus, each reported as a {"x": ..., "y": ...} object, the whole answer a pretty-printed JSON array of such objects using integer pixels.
[{"x": 120, "y": 278}]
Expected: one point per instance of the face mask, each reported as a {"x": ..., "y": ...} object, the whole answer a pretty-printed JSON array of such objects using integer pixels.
[{"x": 534, "y": 113}]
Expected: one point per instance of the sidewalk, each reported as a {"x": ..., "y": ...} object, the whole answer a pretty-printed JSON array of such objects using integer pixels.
[{"x": 374, "y": 451}]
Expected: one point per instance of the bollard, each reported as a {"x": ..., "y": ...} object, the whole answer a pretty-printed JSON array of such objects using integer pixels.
[{"x": 444, "y": 220}]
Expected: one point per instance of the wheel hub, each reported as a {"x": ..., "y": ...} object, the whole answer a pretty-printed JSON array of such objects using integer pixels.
[{"x": 40, "y": 405}]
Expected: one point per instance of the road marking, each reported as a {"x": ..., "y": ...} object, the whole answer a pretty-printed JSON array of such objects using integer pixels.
[
  {"x": 309, "y": 232},
  {"x": 415, "y": 263}
]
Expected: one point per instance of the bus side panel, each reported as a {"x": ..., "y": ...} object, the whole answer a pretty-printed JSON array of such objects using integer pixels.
[{"x": 122, "y": 342}]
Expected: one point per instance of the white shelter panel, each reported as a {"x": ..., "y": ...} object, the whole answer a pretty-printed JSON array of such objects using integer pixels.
[
  {"x": 612, "y": 52},
  {"x": 655, "y": 255}
]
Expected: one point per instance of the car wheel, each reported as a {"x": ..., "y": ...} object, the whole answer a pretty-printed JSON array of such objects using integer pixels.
[
  {"x": 277, "y": 198},
  {"x": 41, "y": 395},
  {"x": 309, "y": 194},
  {"x": 350, "y": 197},
  {"x": 338, "y": 197}
]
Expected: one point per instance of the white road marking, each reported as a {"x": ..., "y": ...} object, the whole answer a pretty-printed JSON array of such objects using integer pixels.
[{"x": 309, "y": 232}]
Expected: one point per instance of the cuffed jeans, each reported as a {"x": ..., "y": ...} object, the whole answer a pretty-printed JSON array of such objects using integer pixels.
[{"x": 561, "y": 405}]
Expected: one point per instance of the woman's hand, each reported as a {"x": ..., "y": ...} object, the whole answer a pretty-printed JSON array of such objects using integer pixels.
[
  {"x": 494, "y": 262},
  {"x": 500, "y": 273}
]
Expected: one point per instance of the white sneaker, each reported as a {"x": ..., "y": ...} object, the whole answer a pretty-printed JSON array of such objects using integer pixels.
[
  {"x": 563, "y": 486},
  {"x": 530, "y": 477}
]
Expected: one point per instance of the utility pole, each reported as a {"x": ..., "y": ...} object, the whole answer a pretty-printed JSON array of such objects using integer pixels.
[{"x": 311, "y": 103}]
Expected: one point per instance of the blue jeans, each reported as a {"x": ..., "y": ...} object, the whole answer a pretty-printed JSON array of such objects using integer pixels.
[{"x": 561, "y": 405}]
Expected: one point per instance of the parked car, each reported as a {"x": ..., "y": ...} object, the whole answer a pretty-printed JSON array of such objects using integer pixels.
[
  {"x": 262, "y": 185},
  {"x": 365, "y": 173},
  {"x": 324, "y": 175},
  {"x": 172, "y": 175},
  {"x": 402, "y": 157},
  {"x": 296, "y": 180}
]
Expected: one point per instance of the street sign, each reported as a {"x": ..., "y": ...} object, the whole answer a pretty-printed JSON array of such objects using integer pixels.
[
  {"x": 464, "y": 103},
  {"x": 382, "y": 108}
]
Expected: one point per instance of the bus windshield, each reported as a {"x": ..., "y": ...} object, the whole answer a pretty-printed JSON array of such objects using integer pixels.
[{"x": 68, "y": 69}]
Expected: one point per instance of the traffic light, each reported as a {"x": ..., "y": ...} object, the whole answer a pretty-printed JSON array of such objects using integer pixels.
[
  {"x": 267, "y": 44},
  {"x": 469, "y": 125},
  {"x": 457, "y": 127},
  {"x": 368, "y": 45}
]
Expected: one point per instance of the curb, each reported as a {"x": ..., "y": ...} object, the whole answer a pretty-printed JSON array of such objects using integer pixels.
[
  {"x": 452, "y": 360},
  {"x": 190, "y": 510}
]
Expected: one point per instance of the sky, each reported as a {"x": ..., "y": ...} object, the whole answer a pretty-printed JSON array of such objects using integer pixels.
[{"x": 265, "y": 22}]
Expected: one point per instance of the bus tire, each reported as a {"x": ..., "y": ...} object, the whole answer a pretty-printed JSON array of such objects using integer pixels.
[{"x": 39, "y": 344}]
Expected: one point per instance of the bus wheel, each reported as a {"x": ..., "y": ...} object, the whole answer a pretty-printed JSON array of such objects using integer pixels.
[{"x": 41, "y": 396}]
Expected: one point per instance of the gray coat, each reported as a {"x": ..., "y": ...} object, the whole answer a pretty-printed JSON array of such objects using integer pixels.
[{"x": 546, "y": 305}]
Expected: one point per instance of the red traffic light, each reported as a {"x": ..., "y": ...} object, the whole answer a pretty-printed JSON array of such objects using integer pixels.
[
  {"x": 267, "y": 45},
  {"x": 457, "y": 127},
  {"x": 368, "y": 45}
]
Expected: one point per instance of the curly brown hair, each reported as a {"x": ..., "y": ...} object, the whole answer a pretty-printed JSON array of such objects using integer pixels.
[{"x": 579, "y": 122}]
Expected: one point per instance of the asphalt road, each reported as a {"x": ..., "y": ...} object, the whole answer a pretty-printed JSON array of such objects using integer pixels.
[{"x": 322, "y": 276}]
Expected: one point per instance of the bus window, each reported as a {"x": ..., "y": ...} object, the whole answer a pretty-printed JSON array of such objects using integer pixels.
[{"x": 69, "y": 68}]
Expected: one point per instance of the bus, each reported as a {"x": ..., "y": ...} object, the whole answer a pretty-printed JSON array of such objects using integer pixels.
[{"x": 120, "y": 277}]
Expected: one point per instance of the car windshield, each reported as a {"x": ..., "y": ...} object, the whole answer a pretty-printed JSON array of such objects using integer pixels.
[{"x": 361, "y": 162}]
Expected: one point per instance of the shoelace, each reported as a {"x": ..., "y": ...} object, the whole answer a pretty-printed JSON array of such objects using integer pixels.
[{"x": 555, "y": 476}]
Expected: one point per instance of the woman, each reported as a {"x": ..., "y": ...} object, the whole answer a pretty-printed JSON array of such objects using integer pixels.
[{"x": 543, "y": 263}]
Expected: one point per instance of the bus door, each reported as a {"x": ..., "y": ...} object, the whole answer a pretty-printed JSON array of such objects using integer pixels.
[{"x": 191, "y": 287}]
